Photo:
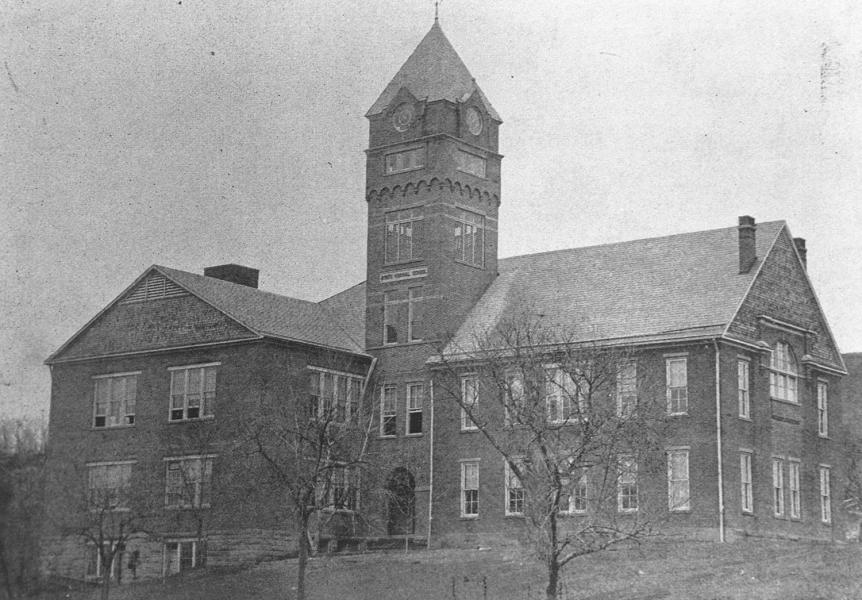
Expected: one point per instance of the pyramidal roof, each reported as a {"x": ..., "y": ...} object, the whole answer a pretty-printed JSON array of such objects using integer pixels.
[{"x": 433, "y": 72}]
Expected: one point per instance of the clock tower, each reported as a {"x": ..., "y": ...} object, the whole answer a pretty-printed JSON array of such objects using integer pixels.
[{"x": 433, "y": 193}]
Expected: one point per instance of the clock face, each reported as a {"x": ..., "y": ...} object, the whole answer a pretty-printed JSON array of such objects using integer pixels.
[
  {"x": 474, "y": 120},
  {"x": 402, "y": 117}
]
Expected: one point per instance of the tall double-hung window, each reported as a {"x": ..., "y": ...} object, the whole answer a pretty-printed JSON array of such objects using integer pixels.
[
  {"x": 783, "y": 374},
  {"x": 745, "y": 481},
  {"x": 470, "y": 238},
  {"x": 388, "y": 408},
  {"x": 514, "y": 491},
  {"x": 677, "y": 385},
  {"x": 333, "y": 396},
  {"x": 469, "y": 401},
  {"x": 114, "y": 400},
  {"x": 403, "y": 315},
  {"x": 403, "y": 229},
  {"x": 825, "y": 494},
  {"x": 109, "y": 485},
  {"x": 822, "y": 409},
  {"x": 188, "y": 481},
  {"x": 743, "y": 388},
  {"x": 627, "y": 389},
  {"x": 627, "y": 484},
  {"x": 778, "y": 487},
  {"x": 470, "y": 488},
  {"x": 193, "y": 392},
  {"x": 678, "y": 497},
  {"x": 793, "y": 467}
]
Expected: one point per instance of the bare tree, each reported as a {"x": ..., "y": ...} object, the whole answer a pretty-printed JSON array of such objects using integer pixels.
[
  {"x": 310, "y": 433},
  {"x": 577, "y": 426}
]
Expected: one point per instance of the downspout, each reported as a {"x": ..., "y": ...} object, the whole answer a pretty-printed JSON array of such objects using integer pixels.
[
  {"x": 718, "y": 442},
  {"x": 430, "y": 466}
]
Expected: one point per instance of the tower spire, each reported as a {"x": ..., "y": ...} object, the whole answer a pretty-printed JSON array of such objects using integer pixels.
[{"x": 436, "y": 10}]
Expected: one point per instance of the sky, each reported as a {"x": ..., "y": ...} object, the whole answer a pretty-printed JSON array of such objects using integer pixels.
[{"x": 189, "y": 133}]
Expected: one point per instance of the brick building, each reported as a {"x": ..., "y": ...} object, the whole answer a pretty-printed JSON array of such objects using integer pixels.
[{"x": 726, "y": 320}]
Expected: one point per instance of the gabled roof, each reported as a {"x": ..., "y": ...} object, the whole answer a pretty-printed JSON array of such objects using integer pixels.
[
  {"x": 659, "y": 289},
  {"x": 434, "y": 71},
  {"x": 348, "y": 307}
]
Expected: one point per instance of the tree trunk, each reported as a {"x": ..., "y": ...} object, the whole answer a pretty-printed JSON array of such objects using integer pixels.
[
  {"x": 303, "y": 558},
  {"x": 553, "y": 578},
  {"x": 106, "y": 585}
]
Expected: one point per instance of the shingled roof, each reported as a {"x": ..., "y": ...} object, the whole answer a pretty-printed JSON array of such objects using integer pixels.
[
  {"x": 659, "y": 289},
  {"x": 434, "y": 71}
]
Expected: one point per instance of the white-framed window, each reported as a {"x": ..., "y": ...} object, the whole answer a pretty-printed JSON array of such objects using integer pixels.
[
  {"x": 778, "y": 486},
  {"x": 573, "y": 500},
  {"x": 822, "y": 409},
  {"x": 333, "y": 395},
  {"x": 627, "y": 484},
  {"x": 471, "y": 163},
  {"x": 562, "y": 396},
  {"x": 745, "y": 482},
  {"x": 188, "y": 481},
  {"x": 95, "y": 567},
  {"x": 405, "y": 160},
  {"x": 415, "y": 400},
  {"x": 415, "y": 314},
  {"x": 825, "y": 494},
  {"x": 469, "y": 399},
  {"x": 403, "y": 229},
  {"x": 388, "y": 408},
  {"x": 795, "y": 493},
  {"x": 515, "y": 495},
  {"x": 193, "y": 392},
  {"x": 677, "y": 385},
  {"x": 470, "y": 488},
  {"x": 783, "y": 374},
  {"x": 513, "y": 397},
  {"x": 114, "y": 399},
  {"x": 743, "y": 391},
  {"x": 343, "y": 491},
  {"x": 109, "y": 485},
  {"x": 184, "y": 555},
  {"x": 627, "y": 389},
  {"x": 403, "y": 316},
  {"x": 678, "y": 496},
  {"x": 470, "y": 238}
]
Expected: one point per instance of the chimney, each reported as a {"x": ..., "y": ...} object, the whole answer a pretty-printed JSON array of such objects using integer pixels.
[
  {"x": 234, "y": 273},
  {"x": 747, "y": 243},
  {"x": 803, "y": 253}
]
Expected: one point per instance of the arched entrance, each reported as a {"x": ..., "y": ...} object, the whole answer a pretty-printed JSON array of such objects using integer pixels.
[{"x": 402, "y": 502}]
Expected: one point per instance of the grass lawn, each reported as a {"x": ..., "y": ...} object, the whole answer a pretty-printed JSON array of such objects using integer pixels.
[{"x": 753, "y": 569}]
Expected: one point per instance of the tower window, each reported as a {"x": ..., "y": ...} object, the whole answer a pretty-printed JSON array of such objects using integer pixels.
[
  {"x": 471, "y": 163},
  {"x": 403, "y": 316},
  {"x": 470, "y": 238},
  {"x": 402, "y": 231},
  {"x": 407, "y": 160}
]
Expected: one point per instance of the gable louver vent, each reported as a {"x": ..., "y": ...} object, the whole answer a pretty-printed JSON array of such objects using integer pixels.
[{"x": 153, "y": 287}]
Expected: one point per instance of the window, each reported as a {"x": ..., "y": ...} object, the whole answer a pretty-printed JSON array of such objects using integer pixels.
[
  {"x": 95, "y": 568},
  {"x": 188, "y": 481},
  {"x": 332, "y": 395},
  {"x": 114, "y": 400},
  {"x": 561, "y": 395},
  {"x": 627, "y": 389},
  {"x": 742, "y": 389},
  {"x": 782, "y": 378},
  {"x": 415, "y": 394},
  {"x": 627, "y": 484},
  {"x": 470, "y": 488},
  {"x": 415, "y": 314},
  {"x": 406, "y": 160},
  {"x": 471, "y": 163},
  {"x": 677, "y": 385},
  {"x": 470, "y": 238},
  {"x": 109, "y": 485},
  {"x": 403, "y": 228},
  {"x": 183, "y": 555},
  {"x": 388, "y": 401},
  {"x": 795, "y": 497},
  {"x": 470, "y": 399},
  {"x": 822, "y": 409},
  {"x": 513, "y": 400},
  {"x": 574, "y": 499},
  {"x": 193, "y": 392},
  {"x": 678, "y": 498},
  {"x": 747, "y": 502},
  {"x": 514, "y": 491},
  {"x": 825, "y": 495},
  {"x": 778, "y": 487},
  {"x": 403, "y": 316},
  {"x": 343, "y": 488}
]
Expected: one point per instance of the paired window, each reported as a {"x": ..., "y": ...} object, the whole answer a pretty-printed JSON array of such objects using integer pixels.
[
  {"x": 403, "y": 316},
  {"x": 747, "y": 500},
  {"x": 184, "y": 555},
  {"x": 677, "y": 385},
  {"x": 573, "y": 500},
  {"x": 388, "y": 407},
  {"x": 333, "y": 396},
  {"x": 193, "y": 392},
  {"x": 114, "y": 400},
  {"x": 778, "y": 487},
  {"x": 470, "y": 238},
  {"x": 627, "y": 389},
  {"x": 783, "y": 374},
  {"x": 825, "y": 495},
  {"x": 343, "y": 488},
  {"x": 678, "y": 496},
  {"x": 470, "y": 488},
  {"x": 415, "y": 396},
  {"x": 188, "y": 481},
  {"x": 795, "y": 494},
  {"x": 743, "y": 388},
  {"x": 108, "y": 485},
  {"x": 822, "y": 409},
  {"x": 469, "y": 400},
  {"x": 627, "y": 484},
  {"x": 403, "y": 228},
  {"x": 471, "y": 163},
  {"x": 514, "y": 491},
  {"x": 406, "y": 160}
]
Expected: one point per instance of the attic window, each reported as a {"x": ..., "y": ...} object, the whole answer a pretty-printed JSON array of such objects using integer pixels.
[{"x": 155, "y": 286}]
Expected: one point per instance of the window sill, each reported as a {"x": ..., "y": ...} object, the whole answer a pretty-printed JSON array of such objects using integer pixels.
[
  {"x": 337, "y": 511},
  {"x": 469, "y": 264},
  {"x": 513, "y": 516},
  {"x": 790, "y": 402},
  {"x": 823, "y": 437},
  {"x": 572, "y": 513},
  {"x": 747, "y": 513},
  {"x": 483, "y": 177},
  {"x": 387, "y": 437},
  {"x": 630, "y": 511},
  {"x": 679, "y": 511},
  {"x": 386, "y": 173},
  {"x": 187, "y": 507},
  {"x": 470, "y": 430},
  {"x": 678, "y": 414},
  {"x": 469, "y": 517},
  {"x": 109, "y": 428},
  {"x": 195, "y": 420},
  {"x": 748, "y": 419},
  {"x": 413, "y": 435},
  {"x": 403, "y": 262}
]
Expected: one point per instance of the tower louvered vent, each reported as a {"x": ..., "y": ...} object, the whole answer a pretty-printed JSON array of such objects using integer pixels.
[{"x": 155, "y": 286}]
